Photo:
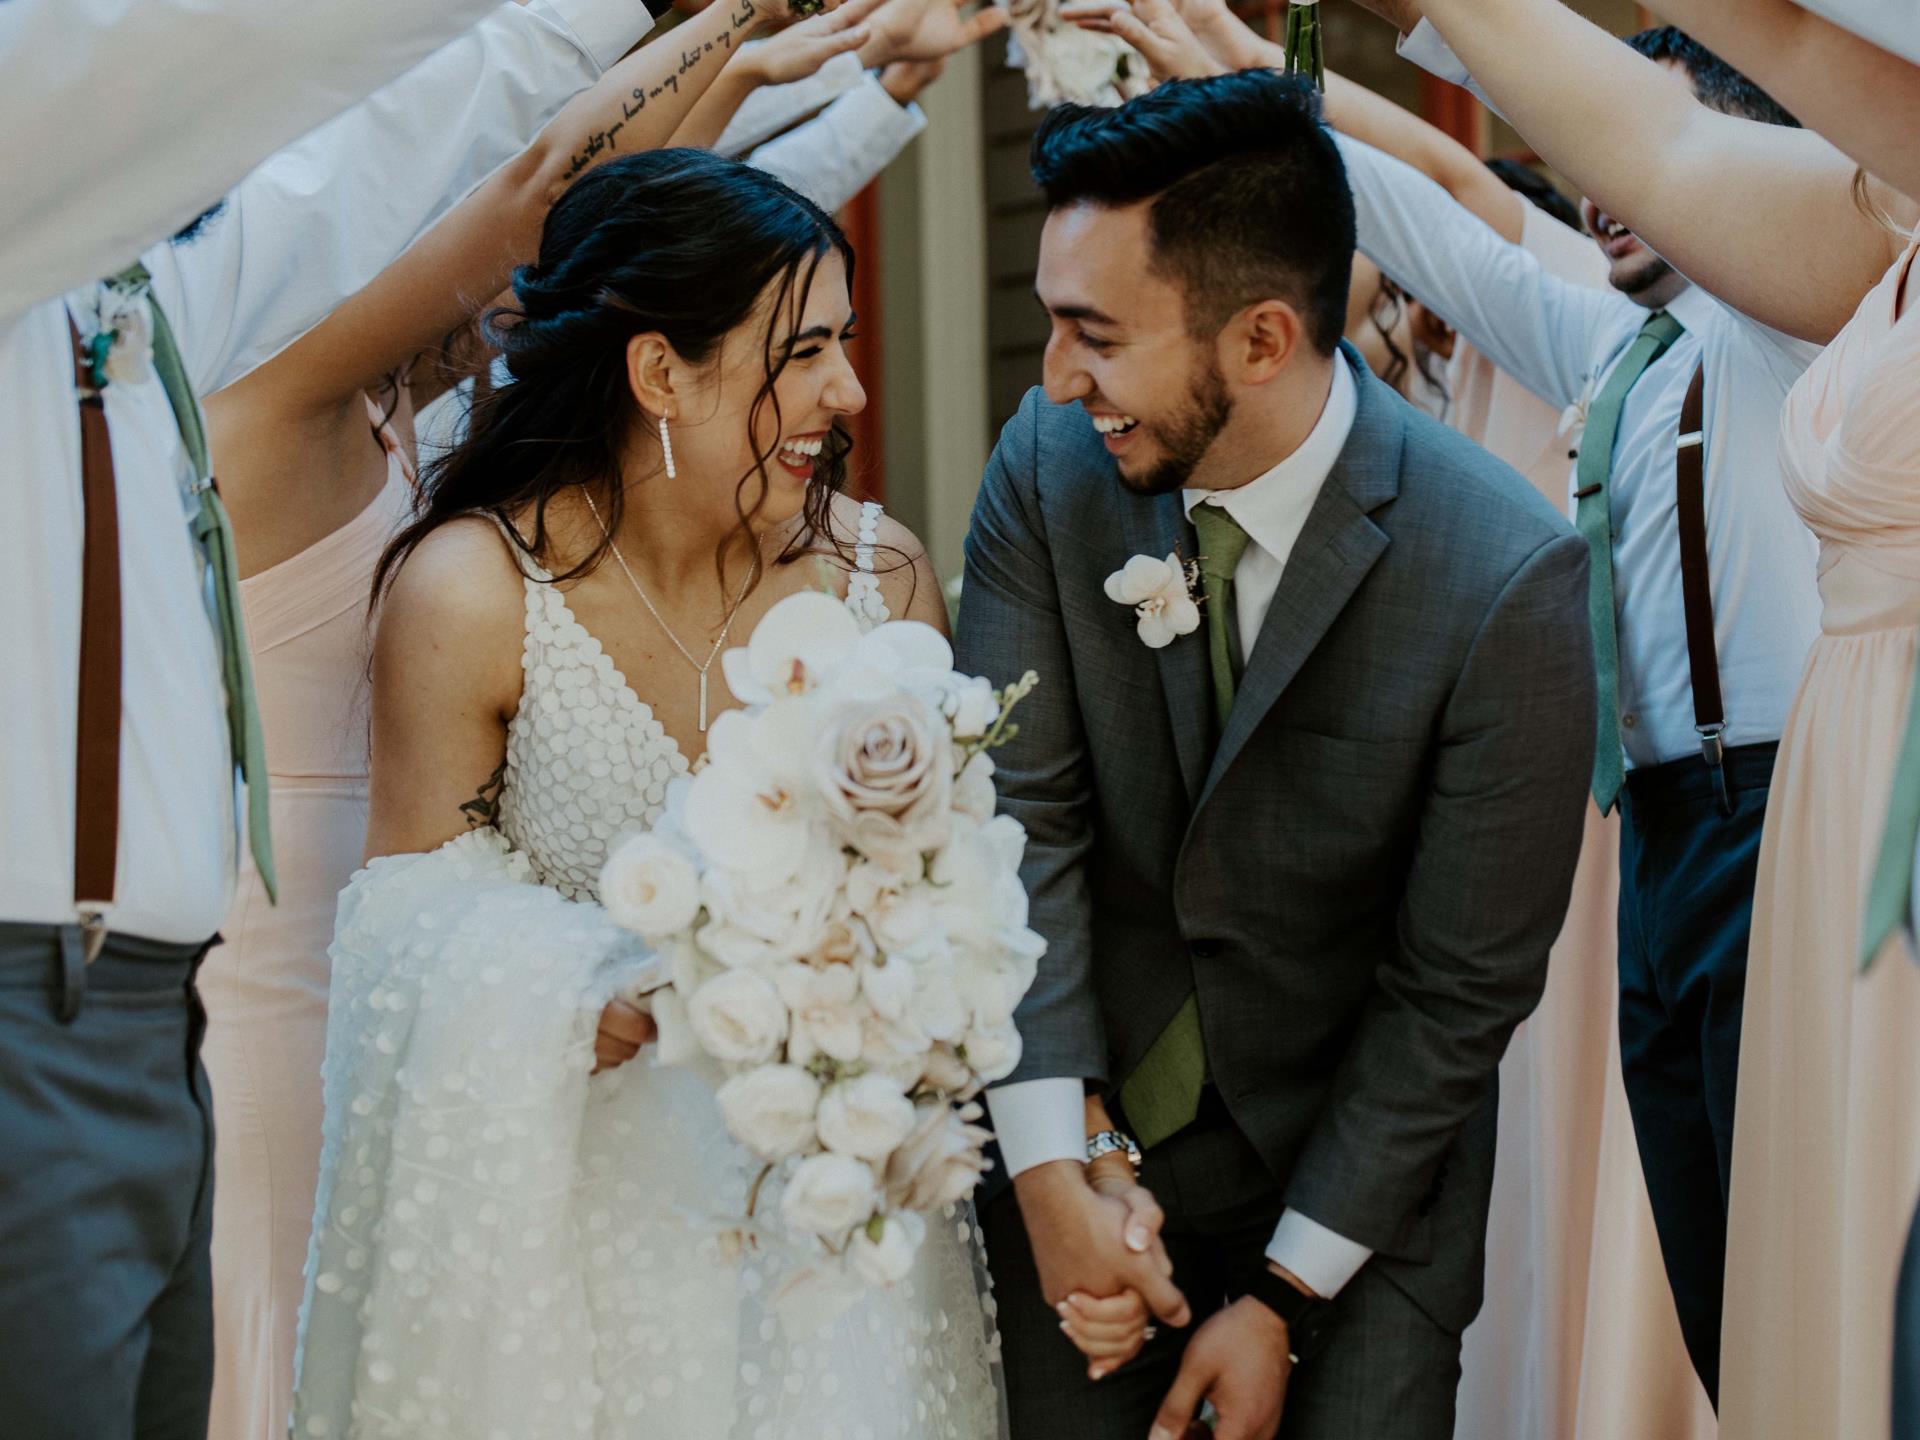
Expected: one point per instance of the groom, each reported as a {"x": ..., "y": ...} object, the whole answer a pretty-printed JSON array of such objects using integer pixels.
[{"x": 1298, "y": 868}]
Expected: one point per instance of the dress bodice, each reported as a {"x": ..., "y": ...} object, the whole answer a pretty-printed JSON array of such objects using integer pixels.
[
  {"x": 587, "y": 759},
  {"x": 1850, "y": 457}
]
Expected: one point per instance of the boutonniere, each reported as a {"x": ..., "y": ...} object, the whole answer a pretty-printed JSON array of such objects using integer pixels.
[
  {"x": 120, "y": 350},
  {"x": 1573, "y": 419},
  {"x": 1161, "y": 593}
]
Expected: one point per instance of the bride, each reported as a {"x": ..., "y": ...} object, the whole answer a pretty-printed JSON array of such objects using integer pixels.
[{"x": 504, "y": 1246}]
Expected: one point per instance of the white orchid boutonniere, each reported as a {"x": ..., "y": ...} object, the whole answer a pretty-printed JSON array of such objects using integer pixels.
[
  {"x": 1161, "y": 593},
  {"x": 1573, "y": 419},
  {"x": 121, "y": 348}
]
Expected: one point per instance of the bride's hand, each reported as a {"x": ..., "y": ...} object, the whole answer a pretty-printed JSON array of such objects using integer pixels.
[
  {"x": 1110, "y": 1330},
  {"x": 624, "y": 1028}
]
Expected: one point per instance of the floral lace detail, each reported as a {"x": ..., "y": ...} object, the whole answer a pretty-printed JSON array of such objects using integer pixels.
[
  {"x": 869, "y": 607},
  {"x": 587, "y": 761}
]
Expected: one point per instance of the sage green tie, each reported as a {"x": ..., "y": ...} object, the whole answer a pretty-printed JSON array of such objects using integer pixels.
[
  {"x": 1593, "y": 518},
  {"x": 1162, "y": 1095},
  {"x": 214, "y": 532},
  {"x": 1890, "y": 893}
]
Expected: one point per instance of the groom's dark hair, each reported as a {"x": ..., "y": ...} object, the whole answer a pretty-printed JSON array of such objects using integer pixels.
[{"x": 1250, "y": 200}]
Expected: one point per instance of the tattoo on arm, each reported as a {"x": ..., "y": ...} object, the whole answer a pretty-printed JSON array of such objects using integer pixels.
[{"x": 484, "y": 808}]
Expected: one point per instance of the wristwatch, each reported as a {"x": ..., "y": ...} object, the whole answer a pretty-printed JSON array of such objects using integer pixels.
[
  {"x": 1306, "y": 1315},
  {"x": 1114, "y": 1142}
]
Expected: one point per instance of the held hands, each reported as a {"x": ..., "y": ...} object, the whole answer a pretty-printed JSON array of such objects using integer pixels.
[
  {"x": 1154, "y": 28},
  {"x": 1109, "y": 1330},
  {"x": 801, "y": 49},
  {"x": 624, "y": 1028},
  {"x": 926, "y": 30}
]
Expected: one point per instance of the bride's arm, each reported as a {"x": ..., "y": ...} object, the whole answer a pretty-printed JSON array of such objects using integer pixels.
[{"x": 446, "y": 680}]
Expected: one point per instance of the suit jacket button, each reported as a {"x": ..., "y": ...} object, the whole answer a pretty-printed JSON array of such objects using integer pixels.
[{"x": 1205, "y": 949}]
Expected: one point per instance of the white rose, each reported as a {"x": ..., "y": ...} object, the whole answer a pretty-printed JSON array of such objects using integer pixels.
[
  {"x": 973, "y": 793},
  {"x": 994, "y": 1054},
  {"x": 760, "y": 922},
  {"x": 738, "y": 1017},
  {"x": 946, "y": 1071},
  {"x": 970, "y": 704},
  {"x": 894, "y": 1048},
  {"x": 864, "y": 1117},
  {"x": 941, "y": 1161},
  {"x": 650, "y": 887},
  {"x": 991, "y": 987},
  {"x": 937, "y": 1008},
  {"x": 883, "y": 1249},
  {"x": 828, "y": 1195},
  {"x": 770, "y": 1109}
]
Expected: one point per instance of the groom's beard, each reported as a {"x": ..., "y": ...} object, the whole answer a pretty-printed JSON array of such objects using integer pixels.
[{"x": 1185, "y": 439}]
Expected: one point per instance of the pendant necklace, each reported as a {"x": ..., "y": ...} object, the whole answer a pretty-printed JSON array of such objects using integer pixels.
[{"x": 725, "y": 627}]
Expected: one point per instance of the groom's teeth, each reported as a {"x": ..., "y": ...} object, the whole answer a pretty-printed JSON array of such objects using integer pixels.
[{"x": 1113, "y": 424}]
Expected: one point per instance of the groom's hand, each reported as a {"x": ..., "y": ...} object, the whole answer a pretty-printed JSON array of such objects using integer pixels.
[
  {"x": 1240, "y": 1361},
  {"x": 1085, "y": 1241}
]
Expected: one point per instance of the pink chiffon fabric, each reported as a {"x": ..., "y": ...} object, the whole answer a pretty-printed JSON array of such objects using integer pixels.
[
  {"x": 1826, "y": 1143},
  {"x": 1578, "y": 1339},
  {"x": 265, "y": 989}
]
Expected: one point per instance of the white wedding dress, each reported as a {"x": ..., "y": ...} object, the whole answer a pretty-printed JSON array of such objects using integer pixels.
[{"x": 507, "y": 1250}]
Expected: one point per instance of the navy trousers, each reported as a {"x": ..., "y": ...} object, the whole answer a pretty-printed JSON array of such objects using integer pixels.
[
  {"x": 106, "y": 1191},
  {"x": 1686, "y": 909}
]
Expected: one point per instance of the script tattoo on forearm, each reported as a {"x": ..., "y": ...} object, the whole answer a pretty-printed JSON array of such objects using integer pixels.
[
  {"x": 607, "y": 139},
  {"x": 484, "y": 808}
]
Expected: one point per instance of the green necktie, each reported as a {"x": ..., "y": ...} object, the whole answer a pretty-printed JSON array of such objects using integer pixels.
[
  {"x": 1890, "y": 894},
  {"x": 1162, "y": 1094},
  {"x": 214, "y": 532},
  {"x": 1593, "y": 517}
]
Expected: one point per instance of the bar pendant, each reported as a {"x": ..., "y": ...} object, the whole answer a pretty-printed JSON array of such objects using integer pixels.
[{"x": 703, "y": 702}]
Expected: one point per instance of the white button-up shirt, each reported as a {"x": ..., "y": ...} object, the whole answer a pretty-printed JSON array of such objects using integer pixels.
[
  {"x": 833, "y": 156},
  {"x": 308, "y": 228},
  {"x": 1561, "y": 341},
  {"x": 1038, "y": 1121}
]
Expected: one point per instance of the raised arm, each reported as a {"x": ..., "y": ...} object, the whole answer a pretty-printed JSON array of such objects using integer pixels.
[
  {"x": 1739, "y": 207},
  {"x": 1823, "y": 74},
  {"x": 322, "y": 217},
  {"x": 1538, "y": 328},
  {"x": 123, "y": 122},
  {"x": 468, "y": 257},
  {"x": 834, "y": 156}
]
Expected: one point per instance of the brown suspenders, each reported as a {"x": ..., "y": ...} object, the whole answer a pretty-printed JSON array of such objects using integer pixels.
[
  {"x": 1696, "y": 593},
  {"x": 96, "y": 788}
]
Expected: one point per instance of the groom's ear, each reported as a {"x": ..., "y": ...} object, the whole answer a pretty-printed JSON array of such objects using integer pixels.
[
  {"x": 650, "y": 362},
  {"x": 1262, "y": 341}
]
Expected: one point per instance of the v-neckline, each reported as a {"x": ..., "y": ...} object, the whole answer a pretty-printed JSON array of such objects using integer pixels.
[{"x": 623, "y": 686}]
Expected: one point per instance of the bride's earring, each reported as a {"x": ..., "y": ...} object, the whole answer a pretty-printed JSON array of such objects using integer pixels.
[{"x": 666, "y": 448}]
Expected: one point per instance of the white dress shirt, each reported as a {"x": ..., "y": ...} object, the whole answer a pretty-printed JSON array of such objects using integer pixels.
[
  {"x": 771, "y": 110},
  {"x": 1561, "y": 340},
  {"x": 832, "y": 157},
  {"x": 308, "y": 228},
  {"x": 1038, "y": 1121}
]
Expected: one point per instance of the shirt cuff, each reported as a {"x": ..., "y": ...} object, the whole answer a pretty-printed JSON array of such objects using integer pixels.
[
  {"x": 1039, "y": 1121},
  {"x": 603, "y": 29},
  {"x": 1424, "y": 46},
  {"x": 773, "y": 109},
  {"x": 1323, "y": 1260}
]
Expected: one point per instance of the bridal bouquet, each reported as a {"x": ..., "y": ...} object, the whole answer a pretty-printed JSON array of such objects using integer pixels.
[{"x": 844, "y": 926}]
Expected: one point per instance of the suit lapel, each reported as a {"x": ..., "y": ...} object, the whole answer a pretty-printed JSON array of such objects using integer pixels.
[
  {"x": 1158, "y": 527},
  {"x": 1337, "y": 547}
]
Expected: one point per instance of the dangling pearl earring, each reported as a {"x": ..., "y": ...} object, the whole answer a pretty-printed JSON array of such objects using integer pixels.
[{"x": 666, "y": 448}]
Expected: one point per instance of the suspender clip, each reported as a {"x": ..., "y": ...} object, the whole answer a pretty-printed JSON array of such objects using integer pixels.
[
  {"x": 93, "y": 931},
  {"x": 1715, "y": 754}
]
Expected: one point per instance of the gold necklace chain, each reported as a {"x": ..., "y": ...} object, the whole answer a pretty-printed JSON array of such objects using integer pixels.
[{"x": 666, "y": 629}]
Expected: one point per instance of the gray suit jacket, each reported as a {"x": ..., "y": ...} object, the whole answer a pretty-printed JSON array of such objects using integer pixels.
[{"x": 1362, "y": 877}]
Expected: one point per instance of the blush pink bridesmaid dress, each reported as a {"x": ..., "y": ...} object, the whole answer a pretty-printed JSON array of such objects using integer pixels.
[
  {"x": 265, "y": 989},
  {"x": 1826, "y": 1144}
]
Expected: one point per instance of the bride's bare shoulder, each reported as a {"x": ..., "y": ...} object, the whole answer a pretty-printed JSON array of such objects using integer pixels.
[
  {"x": 457, "y": 602},
  {"x": 906, "y": 574}
]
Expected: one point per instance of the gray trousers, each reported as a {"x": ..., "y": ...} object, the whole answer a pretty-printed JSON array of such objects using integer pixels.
[
  {"x": 106, "y": 1191},
  {"x": 1387, "y": 1370}
]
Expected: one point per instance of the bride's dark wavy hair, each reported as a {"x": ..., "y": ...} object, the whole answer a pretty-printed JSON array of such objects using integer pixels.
[{"x": 677, "y": 241}]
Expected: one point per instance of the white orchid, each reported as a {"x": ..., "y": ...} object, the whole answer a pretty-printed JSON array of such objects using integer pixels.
[
  {"x": 796, "y": 644},
  {"x": 753, "y": 806},
  {"x": 1161, "y": 594}
]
